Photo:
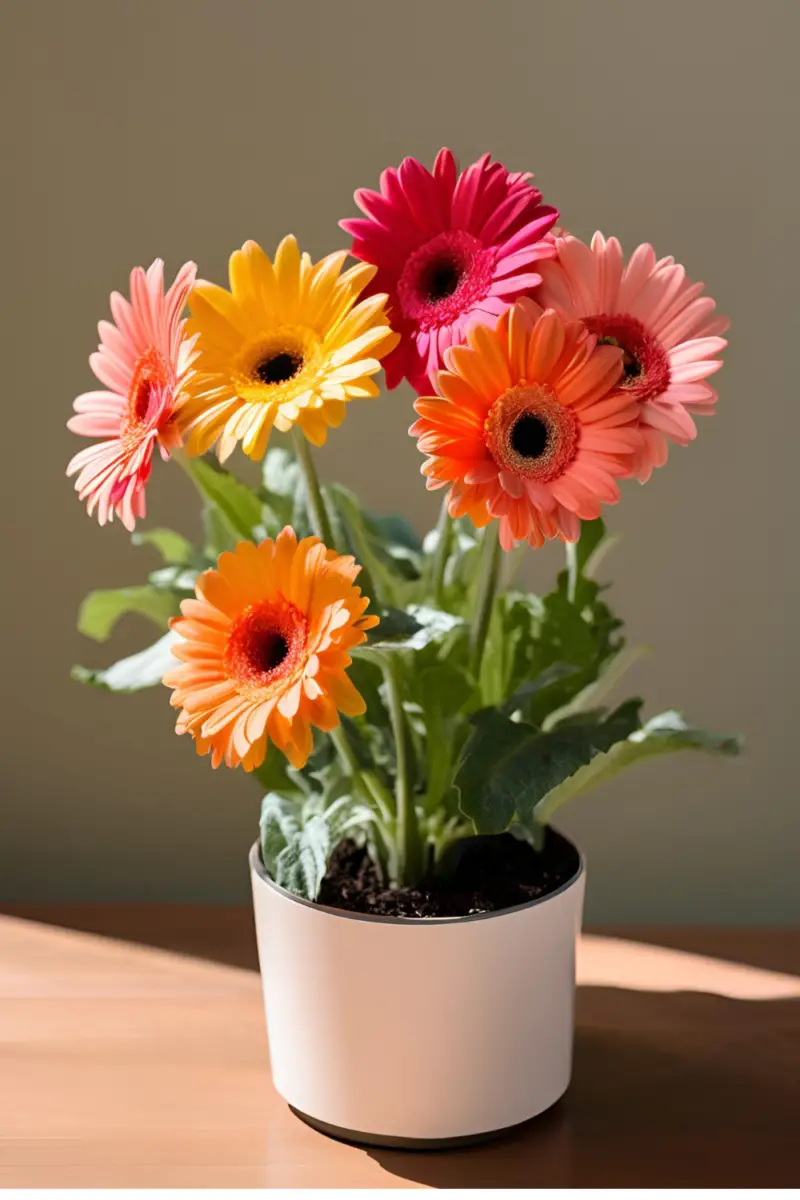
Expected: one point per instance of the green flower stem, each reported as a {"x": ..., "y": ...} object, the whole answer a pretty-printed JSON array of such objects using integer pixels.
[
  {"x": 487, "y": 586},
  {"x": 409, "y": 842},
  {"x": 444, "y": 530},
  {"x": 572, "y": 570},
  {"x": 370, "y": 786},
  {"x": 320, "y": 522}
]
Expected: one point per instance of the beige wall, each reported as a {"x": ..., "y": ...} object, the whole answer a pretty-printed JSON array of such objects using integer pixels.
[{"x": 182, "y": 127}]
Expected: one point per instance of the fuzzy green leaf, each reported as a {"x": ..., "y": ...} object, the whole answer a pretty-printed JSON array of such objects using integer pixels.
[
  {"x": 100, "y": 611},
  {"x": 298, "y": 837},
  {"x": 142, "y": 670}
]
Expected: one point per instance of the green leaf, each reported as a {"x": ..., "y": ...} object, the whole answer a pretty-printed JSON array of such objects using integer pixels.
[
  {"x": 664, "y": 734},
  {"x": 273, "y": 775},
  {"x": 100, "y": 611},
  {"x": 282, "y": 477},
  {"x": 279, "y": 824},
  {"x": 444, "y": 690},
  {"x": 551, "y": 675},
  {"x": 395, "y": 530},
  {"x": 530, "y": 636},
  {"x": 286, "y": 490},
  {"x": 142, "y": 670},
  {"x": 219, "y": 536},
  {"x": 609, "y": 674},
  {"x": 174, "y": 548},
  {"x": 396, "y": 625},
  {"x": 490, "y": 774},
  {"x": 413, "y": 629},
  {"x": 376, "y": 579},
  {"x": 175, "y": 579},
  {"x": 237, "y": 504},
  {"x": 507, "y": 767},
  {"x": 298, "y": 837}
]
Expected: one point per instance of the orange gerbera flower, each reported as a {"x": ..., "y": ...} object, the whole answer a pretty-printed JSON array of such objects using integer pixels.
[
  {"x": 529, "y": 427},
  {"x": 265, "y": 650}
]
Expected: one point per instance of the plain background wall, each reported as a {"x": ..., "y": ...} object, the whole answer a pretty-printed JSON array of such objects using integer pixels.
[{"x": 136, "y": 128}]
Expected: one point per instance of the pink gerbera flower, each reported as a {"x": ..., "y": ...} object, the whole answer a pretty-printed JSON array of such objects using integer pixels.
[
  {"x": 144, "y": 361},
  {"x": 669, "y": 333},
  {"x": 450, "y": 250}
]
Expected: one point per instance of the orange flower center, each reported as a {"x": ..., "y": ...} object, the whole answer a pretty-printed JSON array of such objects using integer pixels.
[
  {"x": 146, "y": 394},
  {"x": 266, "y": 644},
  {"x": 529, "y": 433}
]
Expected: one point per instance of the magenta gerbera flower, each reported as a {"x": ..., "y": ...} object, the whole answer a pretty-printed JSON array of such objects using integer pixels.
[{"x": 450, "y": 250}]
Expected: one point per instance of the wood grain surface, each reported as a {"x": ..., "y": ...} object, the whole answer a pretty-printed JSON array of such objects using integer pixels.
[{"x": 133, "y": 1054}]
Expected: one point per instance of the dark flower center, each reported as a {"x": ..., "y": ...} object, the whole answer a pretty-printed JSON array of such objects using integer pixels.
[
  {"x": 269, "y": 650},
  {"x": 631, "y": 366},
  {"x": 266, "y": 644},
  {"x": 645, "y": 366},
  {"x": 441, "y": 280},
  {"x": 528, "y": 433},
  {"x": 529, "y": 436},
  {"x": 279, "y": 367},
  {"x": 444, "y": 278}
]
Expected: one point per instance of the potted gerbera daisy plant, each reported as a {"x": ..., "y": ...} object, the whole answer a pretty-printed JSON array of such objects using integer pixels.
[{"x": 412, "y": 718}]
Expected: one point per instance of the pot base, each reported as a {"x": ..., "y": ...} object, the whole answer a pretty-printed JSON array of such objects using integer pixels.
[{"x": 389, "y": 1142}]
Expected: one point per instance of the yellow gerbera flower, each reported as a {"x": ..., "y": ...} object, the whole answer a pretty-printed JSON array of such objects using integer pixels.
[{"x": 289, "y": 345}]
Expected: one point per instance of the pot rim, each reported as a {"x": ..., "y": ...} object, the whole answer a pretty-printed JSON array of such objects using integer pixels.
[{"x": 258, "y": 868}]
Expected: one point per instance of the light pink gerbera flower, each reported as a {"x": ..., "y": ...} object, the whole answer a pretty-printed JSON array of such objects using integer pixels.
[
  {"x": 669, "y": 333},
  {"x": 144, "y": 361},
  {"x": 450, "y": 250}
]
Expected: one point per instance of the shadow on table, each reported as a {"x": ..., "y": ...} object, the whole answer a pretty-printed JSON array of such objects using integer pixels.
[
  {"x": 669, "y": 1090},
  {"x": 218, "y": 933}
]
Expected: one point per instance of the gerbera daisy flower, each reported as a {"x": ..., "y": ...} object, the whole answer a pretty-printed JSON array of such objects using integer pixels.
[
  {"x": 528, "y": 426},
  {"x": 289, "y": 345},
  {"x": 668, "y": 332},
  {"x": 144, "y": 361},
  {"x": 450, "y": 250},
  {"x": 265, "y": 650}
]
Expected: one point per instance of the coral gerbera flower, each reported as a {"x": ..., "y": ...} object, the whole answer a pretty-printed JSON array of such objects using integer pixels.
[
  {"x": 529, "y": 427},
  {"x": 265, "y": 650},
  {"x": 449, "y": 250},
  {"x": 144, "y": 361},
  {"x": 668, "y": 332},
  {"x": 289, "y": 345}
]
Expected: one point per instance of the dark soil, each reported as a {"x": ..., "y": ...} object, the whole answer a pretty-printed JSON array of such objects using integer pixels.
[{"x": 484, "y": 874}]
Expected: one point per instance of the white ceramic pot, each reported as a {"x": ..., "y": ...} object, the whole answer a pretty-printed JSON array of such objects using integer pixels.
[{"x": 418, "y": 1032}]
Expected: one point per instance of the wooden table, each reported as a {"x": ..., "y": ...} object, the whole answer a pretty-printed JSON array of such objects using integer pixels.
[{"x": 133, "y": 1054}]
